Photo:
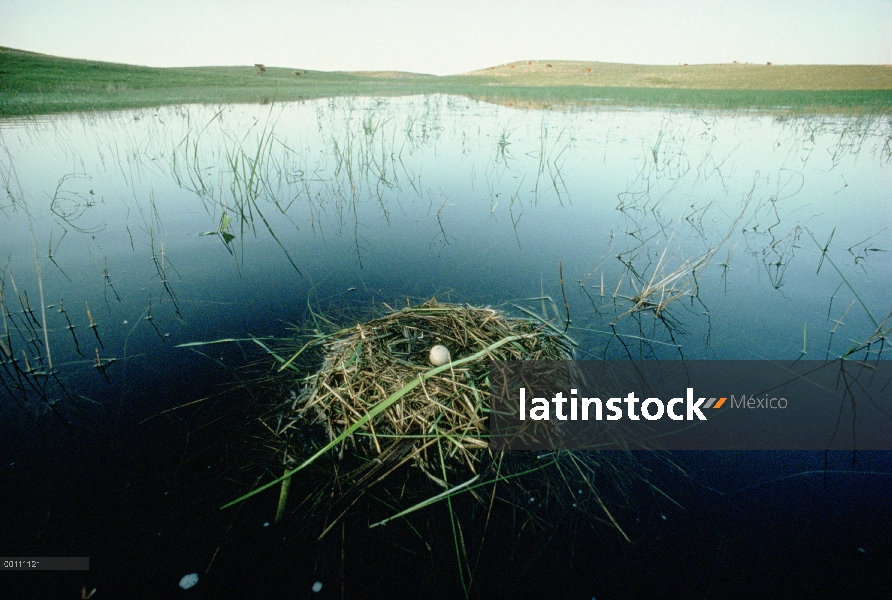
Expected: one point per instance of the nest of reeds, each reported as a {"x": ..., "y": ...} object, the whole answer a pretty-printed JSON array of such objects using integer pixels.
[{"x": 379, "y": 394}]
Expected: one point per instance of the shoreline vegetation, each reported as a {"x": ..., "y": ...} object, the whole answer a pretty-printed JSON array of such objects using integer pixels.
[{"x": 37, "y": 84}]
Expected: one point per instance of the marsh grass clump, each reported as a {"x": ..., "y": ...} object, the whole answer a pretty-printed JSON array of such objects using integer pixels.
[{"x": 431, "y": 416}]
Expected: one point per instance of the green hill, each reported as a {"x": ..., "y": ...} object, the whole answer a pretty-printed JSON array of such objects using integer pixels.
[{"x": 32, "y": 84}]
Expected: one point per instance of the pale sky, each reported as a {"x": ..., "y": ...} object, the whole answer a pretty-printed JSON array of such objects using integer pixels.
[{"x": 449, "y": 36}]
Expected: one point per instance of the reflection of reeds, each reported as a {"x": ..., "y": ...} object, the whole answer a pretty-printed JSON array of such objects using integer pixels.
[
  {"x": 251, "y": 180},
  {"x": 93, "y": 325},
  {"x": 551, "y": 160},
  {"x": 34, "y": 387},
  {"x": 46, "y": 337},
  {"x": 663, "y": 287},
  {"x": 882, "y": 329},
  {"x": 260, "y": 172},
  {"x": 161, "y": 268}
]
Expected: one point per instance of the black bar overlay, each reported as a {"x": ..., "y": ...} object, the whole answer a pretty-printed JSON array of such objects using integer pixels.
[{"x": 691, "y": 405}]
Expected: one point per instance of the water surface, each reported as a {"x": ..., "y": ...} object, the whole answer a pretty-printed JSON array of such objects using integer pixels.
[{"x": 672, "y": 234}]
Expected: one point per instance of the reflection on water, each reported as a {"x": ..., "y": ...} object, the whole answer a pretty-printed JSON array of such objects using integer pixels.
[{"x": 670, "y": 234}]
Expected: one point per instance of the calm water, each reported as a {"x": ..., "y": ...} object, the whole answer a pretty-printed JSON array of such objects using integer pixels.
[{"x": 677, "y": 235}]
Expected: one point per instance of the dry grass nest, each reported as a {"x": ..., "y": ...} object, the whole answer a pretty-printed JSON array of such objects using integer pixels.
[{"x": 376, "y": 381}]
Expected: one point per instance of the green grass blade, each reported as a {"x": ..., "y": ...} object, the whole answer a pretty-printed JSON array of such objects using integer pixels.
[
  {"x": 221, "y": 341},
  {"x": 432, "y": 500}
]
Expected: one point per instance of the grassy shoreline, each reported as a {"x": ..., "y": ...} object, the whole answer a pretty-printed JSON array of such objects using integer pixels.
[{"x": 37, "y": 84}]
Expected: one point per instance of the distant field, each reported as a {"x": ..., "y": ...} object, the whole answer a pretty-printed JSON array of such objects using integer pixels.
[
  {"x": 32, "y": 84},
  {"x": 702, "y": 77}
]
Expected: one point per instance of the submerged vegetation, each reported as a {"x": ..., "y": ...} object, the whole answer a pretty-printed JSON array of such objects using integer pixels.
[{"x": 34, "y": 84}]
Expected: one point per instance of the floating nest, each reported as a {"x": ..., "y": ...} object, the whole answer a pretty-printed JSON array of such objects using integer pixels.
[{"x": 378, "y": 395}]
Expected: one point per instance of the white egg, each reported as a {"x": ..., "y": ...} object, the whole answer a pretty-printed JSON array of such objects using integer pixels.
[
  {"x": 439, "y": 355},
  {"x": 189, "y": 580}
]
